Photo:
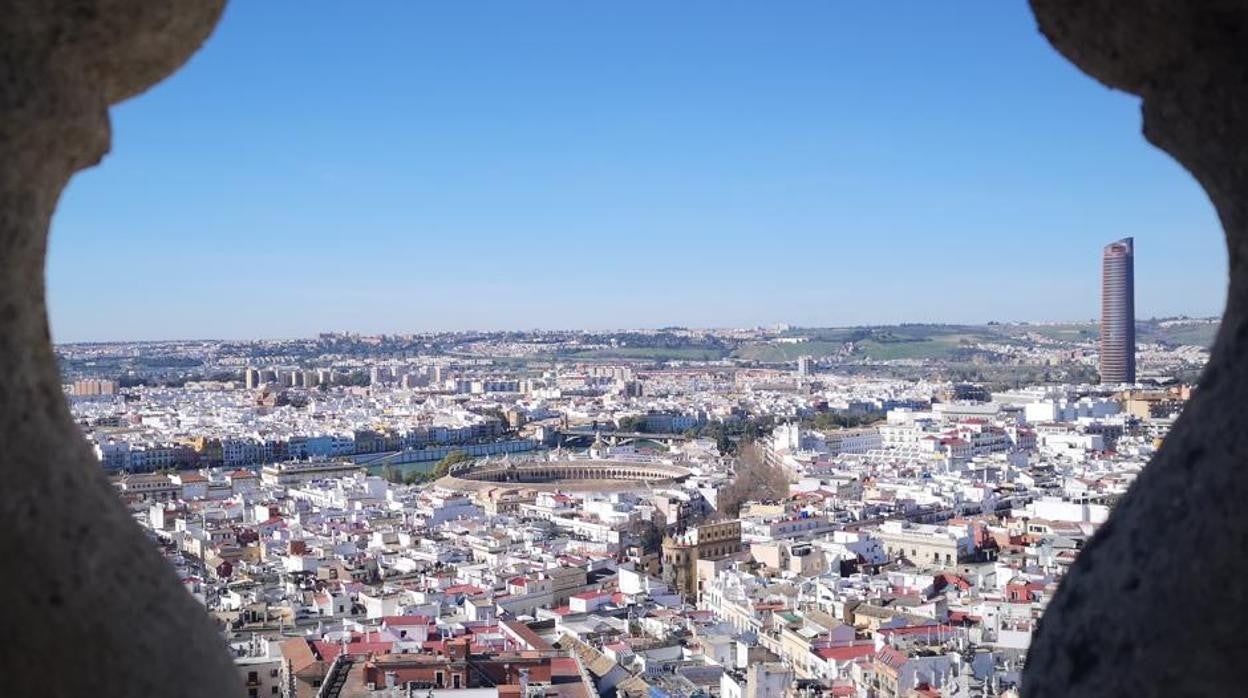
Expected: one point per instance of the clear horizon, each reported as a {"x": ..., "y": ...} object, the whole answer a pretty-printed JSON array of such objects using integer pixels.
[{"x": 706, "y": 165}]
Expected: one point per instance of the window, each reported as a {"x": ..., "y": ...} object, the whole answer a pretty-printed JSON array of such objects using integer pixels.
[
  {"x": 253, "y": 676},
  {"x": 273, "y": 690},
  {"x": 253, "y": 693},
  {"x": 272, "y": 673}
]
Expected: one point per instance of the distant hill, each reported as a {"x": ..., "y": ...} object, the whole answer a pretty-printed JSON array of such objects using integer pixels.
[
  {"x": 956, "y": 342},
  {"x": 1169, "y": 331},
  {"x": 1176, "y": 332}
]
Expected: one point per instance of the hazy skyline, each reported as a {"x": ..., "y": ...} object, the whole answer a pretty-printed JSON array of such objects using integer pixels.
[{"x": 559, "y": 165}]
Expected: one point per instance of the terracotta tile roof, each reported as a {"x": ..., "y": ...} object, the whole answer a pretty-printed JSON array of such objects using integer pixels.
[
  {"x": 845, "y": 653},
  {"x": 329, "y": 650},
  {"x": 891, "y": 657},
  {"x": 405, "y": 620},
  {"x": 953, "y": 579},
  {"x": 963, "y": 617},
  {"x": 590, "y": 595},
  {"x": 299, "y": 653},
  {"x": 920, "y": 630},
  {"x": 525, "y": 635}
]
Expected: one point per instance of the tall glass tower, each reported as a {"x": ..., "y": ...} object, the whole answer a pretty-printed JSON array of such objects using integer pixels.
[{"x": 1118, "y": 312}]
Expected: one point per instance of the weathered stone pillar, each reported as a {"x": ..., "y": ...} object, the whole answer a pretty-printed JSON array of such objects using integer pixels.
[
  {"x": 1156, "y": 604},
  {"x": 89, "y": 606}
]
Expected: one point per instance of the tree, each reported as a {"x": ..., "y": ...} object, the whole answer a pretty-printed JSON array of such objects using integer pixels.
[
  {"x": 443, "y": 468},
  {"x": 130, "y": 381},
  {"x": 414, "y": 477},
  {"x": 634, "y": 423},
  {"x": 728, "y": 435},
  {"x": 755, "y": 480},
  {"x": 392, "y": 474},
  {"x": 357, "y": 377}
]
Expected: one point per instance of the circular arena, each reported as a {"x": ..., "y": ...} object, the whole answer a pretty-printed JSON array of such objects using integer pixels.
[{"x": 581, "y": 475}]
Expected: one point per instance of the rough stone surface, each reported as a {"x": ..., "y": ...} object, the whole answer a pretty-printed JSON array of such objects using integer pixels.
[
  {"x": 90, "y": 608},
  {"x": 1156, "y": 605}
]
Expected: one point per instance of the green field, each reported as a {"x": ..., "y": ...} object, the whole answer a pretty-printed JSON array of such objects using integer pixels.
[
  {"x": 878, "y": 343},
  {"x": 936, "y": 348},
  {"x": 947, "y": 343},
  {"x": 1196, "y": 333},
  {"x": 787, "y": 352},
  {"x": 1069, "y": 332}
]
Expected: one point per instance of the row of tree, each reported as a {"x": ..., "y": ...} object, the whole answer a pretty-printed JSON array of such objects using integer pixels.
[
  {"x": 841, "y": 420},
  {"x": 393, "y": 474}
]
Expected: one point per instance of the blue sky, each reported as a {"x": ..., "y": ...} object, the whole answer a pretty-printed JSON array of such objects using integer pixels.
[{"x": 564, "y": 164}]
